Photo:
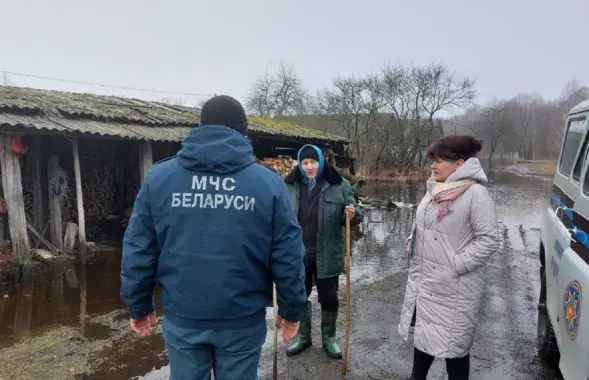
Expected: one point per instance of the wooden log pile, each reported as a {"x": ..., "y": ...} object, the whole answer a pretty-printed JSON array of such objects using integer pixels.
[
  {"x": 283, "y": 165},
  {"x": 99, "y": 192},
  {"x": 28, "y": 189},
  {"x": 98, "y": 183},
  {"x": 131, "y": 184}
]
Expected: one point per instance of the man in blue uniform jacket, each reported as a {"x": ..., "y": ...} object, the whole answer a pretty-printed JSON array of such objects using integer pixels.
[{"x": 214, "y": 229}]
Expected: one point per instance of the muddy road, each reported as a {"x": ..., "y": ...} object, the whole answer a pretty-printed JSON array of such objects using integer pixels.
[{"x": 70, "y": 323}]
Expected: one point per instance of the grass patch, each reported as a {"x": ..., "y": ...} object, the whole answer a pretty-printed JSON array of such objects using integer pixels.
[
  {"x": 544, "y": 168},
  {"x": 47, "y": 340},
  {"x": 49, "y": 355}
]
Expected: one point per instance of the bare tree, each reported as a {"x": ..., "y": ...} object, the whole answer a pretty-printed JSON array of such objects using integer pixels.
[
  {"x": 394, "y": 118},
  {"x": 430, "y": 90},
  {"x": 493, "y": 125},
  {"x": 572, "y": 95},
  {"x": 390, "y": 116},
  {"x": 531, "y": 127},
  {"x": 521, "y": 111},
  {"x": 441, "y": 91},
  {"x": 278, "y": 94},
  {"x": 346, "y": 104}
]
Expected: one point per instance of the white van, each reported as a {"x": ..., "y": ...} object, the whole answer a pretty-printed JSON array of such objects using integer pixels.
[{"x": 563, "y": 313}]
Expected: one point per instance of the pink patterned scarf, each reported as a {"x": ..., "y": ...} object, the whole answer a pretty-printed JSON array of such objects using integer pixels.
[{"x": 445, "y": 193}]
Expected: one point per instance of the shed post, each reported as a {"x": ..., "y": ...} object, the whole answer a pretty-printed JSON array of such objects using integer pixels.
[
  {"x": 13, "y": 195},
  {"x": 120, "y": 181},
  {"x": 80, "y": 200},
  {"x": 145, "y": 159},
  {"x": 55, "y": 221},
  {"x": 38, "y": 209}
]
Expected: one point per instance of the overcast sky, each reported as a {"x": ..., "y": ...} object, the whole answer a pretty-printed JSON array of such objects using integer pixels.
[{"x": 207, "y": 47}]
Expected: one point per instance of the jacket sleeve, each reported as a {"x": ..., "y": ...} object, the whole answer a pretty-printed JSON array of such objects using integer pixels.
[
  {"x": 139, "y": 261},
  {"x": 485, "y": 243},
  {"x": 350, "y": 200},
  {"x": 288, "y": 269}
]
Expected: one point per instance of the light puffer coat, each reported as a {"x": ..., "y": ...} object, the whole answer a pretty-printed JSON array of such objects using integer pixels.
[{"x": 447, "y": 275}]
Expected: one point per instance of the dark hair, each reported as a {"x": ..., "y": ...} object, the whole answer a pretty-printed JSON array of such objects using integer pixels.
[{"x": 455, "y": 147}]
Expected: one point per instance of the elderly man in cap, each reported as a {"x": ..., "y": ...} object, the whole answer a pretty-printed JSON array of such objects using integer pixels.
[{"x": 214, "y": 229}]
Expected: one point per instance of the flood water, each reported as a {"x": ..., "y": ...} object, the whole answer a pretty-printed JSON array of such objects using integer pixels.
[{"x": 86, "y": 301}]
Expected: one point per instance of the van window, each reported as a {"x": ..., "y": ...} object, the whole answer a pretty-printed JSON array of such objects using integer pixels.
[
  {"x": 574, "y": 135},
  {"x": 581, "y": 160}
]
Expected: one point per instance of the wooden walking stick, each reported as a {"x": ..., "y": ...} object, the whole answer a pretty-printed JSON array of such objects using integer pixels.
[
  {"x": 275, "y": 360},
  {"x": 348, "y": 298}
]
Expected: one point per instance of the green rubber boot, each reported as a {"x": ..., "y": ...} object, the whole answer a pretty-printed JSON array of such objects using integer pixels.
[
  {"x": 328, "y": 323},
  {"x": 303, "y": 339}
]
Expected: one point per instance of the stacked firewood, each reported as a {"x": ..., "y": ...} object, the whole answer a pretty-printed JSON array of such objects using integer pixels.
[
  {"x": 283, "y": 165},
  {"x": 99, "y": 192},
  {"x": 98, "y": 177},
  {"x": 28, "y": 195}
]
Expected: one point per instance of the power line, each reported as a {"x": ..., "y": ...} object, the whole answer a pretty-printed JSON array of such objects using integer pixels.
[{"x": 103, "y": 85}]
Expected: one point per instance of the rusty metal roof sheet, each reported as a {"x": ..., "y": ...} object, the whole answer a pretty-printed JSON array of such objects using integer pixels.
[{"x": 67, "y": 112}]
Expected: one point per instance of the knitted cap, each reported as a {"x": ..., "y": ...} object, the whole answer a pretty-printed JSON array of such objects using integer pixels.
[{"x": 224, "y": 110}]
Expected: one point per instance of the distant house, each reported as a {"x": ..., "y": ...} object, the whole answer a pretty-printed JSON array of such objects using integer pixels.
[{"x": 55, "y": 146}]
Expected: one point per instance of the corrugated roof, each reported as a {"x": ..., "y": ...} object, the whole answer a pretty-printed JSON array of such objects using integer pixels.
[
  {"x": 22, "y": 107},
  {"x": 98, "y": 128}
]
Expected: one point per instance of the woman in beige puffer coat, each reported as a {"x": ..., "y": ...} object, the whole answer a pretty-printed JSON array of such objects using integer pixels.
[{"x": 454, "y": 235}]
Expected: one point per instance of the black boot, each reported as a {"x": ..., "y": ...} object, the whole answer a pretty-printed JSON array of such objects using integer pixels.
[
  {"x": 303, "y": 339},
  {"x": 328, "y": 323}
]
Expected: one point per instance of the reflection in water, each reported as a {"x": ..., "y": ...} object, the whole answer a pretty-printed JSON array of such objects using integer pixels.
[
  {"x": 21, "y": 327},
  {"x": 57, "y": 293},
  {"x": 3, "y": 303},
  {"x": 60, "y": 296},
  {"x": 379, "y": 252},
  {"x": 378, "y": 248},
  {"x": 83, "y": 297}
]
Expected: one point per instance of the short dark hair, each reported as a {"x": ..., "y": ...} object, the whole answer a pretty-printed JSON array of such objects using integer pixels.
[{"x": 455, "y": 147}]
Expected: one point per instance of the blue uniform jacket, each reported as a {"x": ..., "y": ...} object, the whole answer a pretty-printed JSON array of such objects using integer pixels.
[{"x": 214, "y": 229}]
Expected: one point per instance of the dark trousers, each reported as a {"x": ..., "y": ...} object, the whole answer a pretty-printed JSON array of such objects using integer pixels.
[
  {"x": 458, "y": 369},
  {"x": 233, "y": 354},
  {"x": 326, "y": 288}
]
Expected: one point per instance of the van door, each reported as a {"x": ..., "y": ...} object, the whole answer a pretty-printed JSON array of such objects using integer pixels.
[
  {"x": 558, "y": 221},
  {"x": 561, "y": 234},
  {"x": 572, "y": 328}
]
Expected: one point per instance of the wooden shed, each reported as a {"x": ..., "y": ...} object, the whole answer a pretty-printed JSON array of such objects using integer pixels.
[{"x": 69, "y": 159}]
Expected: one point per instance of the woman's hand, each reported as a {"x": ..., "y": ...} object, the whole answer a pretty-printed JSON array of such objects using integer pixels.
[{"x": 350, "y": 211}]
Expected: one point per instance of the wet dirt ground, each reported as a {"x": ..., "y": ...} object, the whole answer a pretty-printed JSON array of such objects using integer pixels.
[{"x": 70, "y": 323}]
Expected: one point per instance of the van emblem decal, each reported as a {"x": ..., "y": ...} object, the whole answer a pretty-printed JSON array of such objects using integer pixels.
[{"x": 573, "y": 298}]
